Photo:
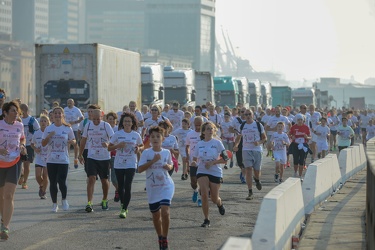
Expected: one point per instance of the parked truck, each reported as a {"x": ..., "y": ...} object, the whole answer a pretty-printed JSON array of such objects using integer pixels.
[
  {"x": 255, "y": 93},
  {"x": 179, "y": 86},
  {"x": 204, "y": 87},
  {"x": 303, "y": 96},
  {"x": 243, "y": 91},
  {"x": 281, "y": 95},
  {"x": 152, "y": 79},
  {"x": 87, "y": 73},
  {"x": 226, "y": 91},
  {"x": 266, "y": 90},
  {"x": 357, "y": 103}
]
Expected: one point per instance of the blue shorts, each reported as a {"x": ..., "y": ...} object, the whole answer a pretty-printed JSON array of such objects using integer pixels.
[{"x": 154, "y": 207}]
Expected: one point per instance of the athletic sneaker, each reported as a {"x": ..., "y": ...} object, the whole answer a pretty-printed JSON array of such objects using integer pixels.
[
  {"x": 89, "y": 208},
  {"x": 206, "y": 223},
  {"x": 43, "y": 197},
  {"x": 195, "y": 196},
  {"x": 24, "y": 185},
  {"x": 186, "y": 176},
  {"x": 301, "y": 178},
  {"x": 164, "y": 244},
  {"x": 221, "y": 209},
  {"x": 117, "y": 197},
  {"x": 4, "y": 233},
  {"x": 65, "y": 205},
  {"x": 258, "y": 184},
  {"x": 242, "y": 178},
  {"x": 104, "y": 204},
  {"x": 123, "y": 213},
  {"x": 199, "y": 202},
  {"x": 55, "y": 208},
  {"x": 231, "y": 164},
  {"x": 75, "y": 163},
  {"x": 225, "y": 166},
  {"x": 40, "y": 192},
  {"x": 250, "y": 196},
  {"x": 280, "y": 181},
  {"x": 276, "y": 178}
]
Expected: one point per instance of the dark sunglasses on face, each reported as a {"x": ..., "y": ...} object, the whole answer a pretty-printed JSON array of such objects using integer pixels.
[
  {"x": 154, "y": 110},
  {"x": 247, "y": 114}
]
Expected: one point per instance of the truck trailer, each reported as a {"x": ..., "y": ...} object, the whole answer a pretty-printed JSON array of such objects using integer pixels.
[
  {"x": 152, "y": 79},
  {"x": 226, "y": 91},
  {"x": 204, "y": 87},
  {"x": 281, "y": 95},
  {"x": 87, "y": 73}
]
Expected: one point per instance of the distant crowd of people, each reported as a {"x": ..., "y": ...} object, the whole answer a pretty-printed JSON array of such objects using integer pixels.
[{"x": 114, "y": 146}]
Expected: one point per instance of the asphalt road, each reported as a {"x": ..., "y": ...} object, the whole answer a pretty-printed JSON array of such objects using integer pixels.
[{"x": 34, "y": 226}]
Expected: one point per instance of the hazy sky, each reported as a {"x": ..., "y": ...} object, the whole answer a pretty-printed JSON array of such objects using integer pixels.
[{"x": 302, "y": 38}]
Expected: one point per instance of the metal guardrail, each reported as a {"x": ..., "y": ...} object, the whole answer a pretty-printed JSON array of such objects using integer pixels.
[{"x": 370, "y": 195}]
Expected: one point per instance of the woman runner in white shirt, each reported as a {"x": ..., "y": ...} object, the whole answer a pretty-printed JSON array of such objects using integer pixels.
[
  {"x": 127, "y": 142},
  {"x": 208, "y": 155},
  {"x": 58, "y": 136}
]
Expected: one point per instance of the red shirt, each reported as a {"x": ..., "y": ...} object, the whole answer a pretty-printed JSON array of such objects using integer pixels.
[{"x": 299, "y": 132}]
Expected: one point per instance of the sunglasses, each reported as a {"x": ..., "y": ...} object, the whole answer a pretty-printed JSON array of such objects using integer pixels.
[
  {"x": 247, "y": 114},
  {"x": 154, "y": 110}
]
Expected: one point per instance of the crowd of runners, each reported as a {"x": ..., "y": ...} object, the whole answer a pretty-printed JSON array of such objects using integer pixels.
[{"x": 205, "y": 139}]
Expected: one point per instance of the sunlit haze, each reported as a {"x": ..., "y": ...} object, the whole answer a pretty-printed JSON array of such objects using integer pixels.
[{"x": 302, "y": 39}]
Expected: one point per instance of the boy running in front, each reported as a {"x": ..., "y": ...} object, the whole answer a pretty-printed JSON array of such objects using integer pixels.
[
  {"x": 280, "y": 141},
  {"x": 157, "y": 161}
]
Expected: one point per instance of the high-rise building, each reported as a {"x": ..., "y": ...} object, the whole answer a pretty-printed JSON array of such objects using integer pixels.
[
  {"x": 6, "y": 17},
  {"x": 64, "y": 20},
  {"x": 118, "y": 23},
  {"x": 29, "y": 20},
  {"x": 182, "y": 28}
]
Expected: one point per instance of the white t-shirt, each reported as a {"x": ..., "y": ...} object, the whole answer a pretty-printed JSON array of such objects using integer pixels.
[
  {"x": 159, "y": 184},
  {"x": 364, "y": 120},
  {"x": 96, "y": 135},
  {"x": 250, "y": 134},
  {"x": 29, "y": 136},
  {"x": 40, "y": 158},
  {"x": 324, "y": 131},
  {"x": 71, "y": 115},
  {"x": 279, "y": 140},
  {"x": 192, "y": 138},
  {"x": 150, "y": 122},
  {"x": 58, "y": 144},
  {"x": 139, "y": 117},
  {"x": 314, "y": 119},
  {"x": 10, "y": 136},
  {"x": 126, "y": 157},
  {"x": 175, "y": 118},
  {"x": 181, "y": 137},
  {"x": 206, "y": 151},
  {"x": 170, "y": 142},
  {"x": 225, "y": 129},
  {"x": 335, "y": 122},
  {"x": 273, "y": 120}
]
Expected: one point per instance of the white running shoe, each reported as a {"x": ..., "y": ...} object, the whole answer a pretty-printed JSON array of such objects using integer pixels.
[
  {"x": 55, "y": 207},
  {"x": 65, "y": 205}
]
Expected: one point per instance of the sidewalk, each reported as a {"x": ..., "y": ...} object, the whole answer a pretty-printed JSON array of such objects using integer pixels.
[{"x": 340, "y": 222}]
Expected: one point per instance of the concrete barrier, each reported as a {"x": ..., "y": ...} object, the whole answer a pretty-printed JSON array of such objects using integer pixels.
[
  {"x": 362, "y": 155},
  {"x": 352, "y": 160},
  {"x": 280, "y": 216},
  {"x": 237, "y": 243},
  {"x": 346, "y": 164},
  {"x": 322, "y": 178}
]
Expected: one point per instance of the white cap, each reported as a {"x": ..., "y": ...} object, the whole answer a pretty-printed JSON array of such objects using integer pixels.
[{"x": 300, "y": 116}]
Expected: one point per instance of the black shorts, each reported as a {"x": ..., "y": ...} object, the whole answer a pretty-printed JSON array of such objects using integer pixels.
[
  {"x": 11, "y": 174},
  {"x": 333, "y": 132},
  {"x": 30, "y": 154},
  {"x": 95, "y": 167},
  {"x": 39, "y": 166},
  {"x": 211, "y": 178},
  {"x": 290, "y": 148},
  {"x": 154, "y": 207},
  {"x": 193, "y": 171}
]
